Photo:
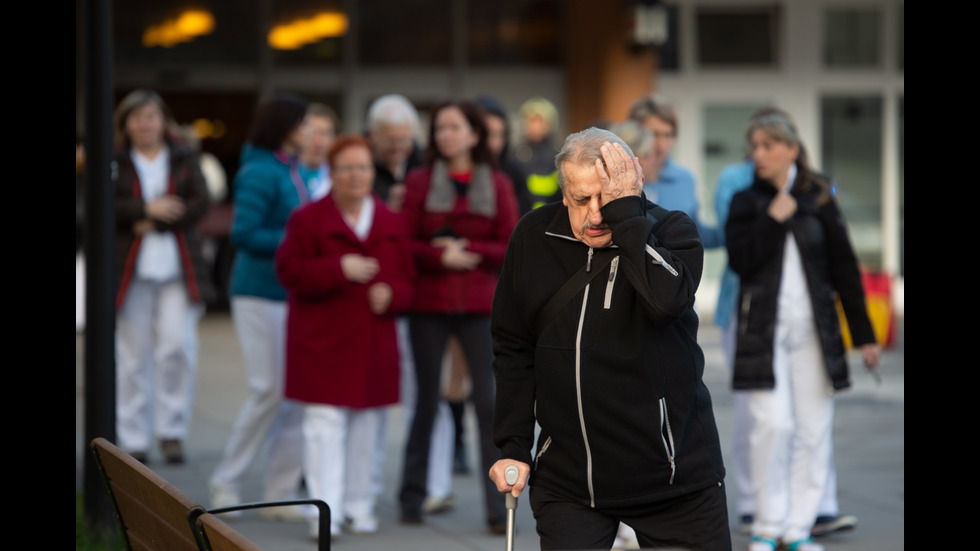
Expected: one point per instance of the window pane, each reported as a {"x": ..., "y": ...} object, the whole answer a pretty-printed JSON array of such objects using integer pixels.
[
  {"x": 407, "y": 32},
  {"x": 852, "y": 149},
  {"x": 724, "y": 144},
  {"x": 669, "y": 53},
  {"x": 738, "y": 37},
  {"x": 514, "y": 32},
  {"x": 851, "y": 38},
  {"x": 145, "y": 35}
]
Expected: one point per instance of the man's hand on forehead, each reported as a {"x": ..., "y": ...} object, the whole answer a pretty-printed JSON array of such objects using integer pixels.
[{"x": 619, "y": 173}]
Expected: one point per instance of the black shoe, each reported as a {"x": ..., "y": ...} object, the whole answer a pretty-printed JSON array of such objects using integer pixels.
[
  {"x": 828, "y": 524},
  {"x": 460, "y": 464},
  {"x": 139, "y": 456},
  {"x": 498, "y": 529},
  {"x": 411, "y": 516},
  {"x": 173, "y": 452},
  {"x": 745, "y": 524}
]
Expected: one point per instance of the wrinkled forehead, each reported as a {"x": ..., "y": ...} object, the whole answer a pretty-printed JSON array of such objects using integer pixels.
[{"x": 581, "y": 179}]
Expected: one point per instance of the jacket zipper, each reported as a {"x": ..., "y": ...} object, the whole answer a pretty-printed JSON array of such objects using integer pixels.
[
  {"x": 743, "y": 323},
  {"x": 668, "y": 438},
  {"x": 613, "y": 269},
  {"x": 578, "y": 391}
]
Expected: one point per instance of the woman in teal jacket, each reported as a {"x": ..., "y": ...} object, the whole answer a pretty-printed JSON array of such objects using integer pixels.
[{"x": 269, "y": 185}]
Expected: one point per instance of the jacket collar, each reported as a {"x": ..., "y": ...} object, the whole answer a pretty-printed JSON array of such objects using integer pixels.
[
  {"x": 333, "y": 221},
  {"x": 560, "y": 226}
]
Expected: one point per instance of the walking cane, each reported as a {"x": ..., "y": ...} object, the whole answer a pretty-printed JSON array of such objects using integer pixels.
[{"x": 510, "y": 475}]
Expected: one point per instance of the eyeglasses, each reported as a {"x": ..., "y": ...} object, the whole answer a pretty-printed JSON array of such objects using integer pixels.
[{"x": 347, "y": 169}]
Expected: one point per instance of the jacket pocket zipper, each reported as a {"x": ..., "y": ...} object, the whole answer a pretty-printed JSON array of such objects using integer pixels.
[
  {"x": 668, "y": 438},
  {"x": 613, "y": 270},
  {"x": 657, "y": 259},
  {"x": 544, "y": 448}
]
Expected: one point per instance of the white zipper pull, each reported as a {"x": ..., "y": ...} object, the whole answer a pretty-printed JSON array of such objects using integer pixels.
[{"x": 588, "y": 263}]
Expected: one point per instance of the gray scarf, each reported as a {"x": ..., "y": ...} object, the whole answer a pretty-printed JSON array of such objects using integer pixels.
[{"x": 480, "y": 196}]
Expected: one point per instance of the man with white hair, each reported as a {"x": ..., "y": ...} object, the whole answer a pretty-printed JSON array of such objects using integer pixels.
[
  {"x": 595, "y": 340},
  {"x": 392, "y": 125}
]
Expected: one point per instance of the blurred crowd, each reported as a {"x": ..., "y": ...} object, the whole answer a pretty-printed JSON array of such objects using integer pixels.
[{"x": 363, "y": 276}]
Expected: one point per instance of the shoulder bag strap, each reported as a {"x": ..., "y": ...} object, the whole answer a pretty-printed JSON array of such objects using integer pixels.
[{"x": 571, "y": 287}]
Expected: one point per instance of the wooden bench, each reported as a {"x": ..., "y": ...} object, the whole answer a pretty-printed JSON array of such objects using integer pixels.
[{"x": 154, "y": 515}]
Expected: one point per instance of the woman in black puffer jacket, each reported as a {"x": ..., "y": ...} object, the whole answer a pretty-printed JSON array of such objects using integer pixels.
[{"x": 788, "y": 242}]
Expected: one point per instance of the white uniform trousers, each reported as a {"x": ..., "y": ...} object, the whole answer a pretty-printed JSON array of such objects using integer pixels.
[
  {"x": 265, "y": 417},
  {"x": 790, "y": 438},
  {"x": 156, "y": 363},
  {"x": 742, "y": 421},
  {"x": 339, "y": 444}
]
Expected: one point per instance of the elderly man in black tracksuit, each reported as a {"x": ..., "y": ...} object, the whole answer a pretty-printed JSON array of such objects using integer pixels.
[{"x": 610, "y": 369}]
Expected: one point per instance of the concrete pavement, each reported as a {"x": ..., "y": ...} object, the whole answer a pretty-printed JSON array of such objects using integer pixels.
[{"x": 869, "y": 440}]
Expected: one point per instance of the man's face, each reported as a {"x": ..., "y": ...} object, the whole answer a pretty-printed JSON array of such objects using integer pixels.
[
  {"x": 392, "y": 143},
  {"x": 582, "y": 196},
  {"x": 664, "y": 135}
]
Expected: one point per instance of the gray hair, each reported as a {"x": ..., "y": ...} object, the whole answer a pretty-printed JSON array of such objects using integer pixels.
[
  {"x": 775, "y": 123},
  {"x": 394, "y": 110},
  {"x": 582, "y": 148},
  {"x": 639, "y": 138}
]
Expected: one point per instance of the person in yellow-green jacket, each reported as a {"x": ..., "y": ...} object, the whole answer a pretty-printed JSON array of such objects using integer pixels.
[{"x": 536, "y": 153}]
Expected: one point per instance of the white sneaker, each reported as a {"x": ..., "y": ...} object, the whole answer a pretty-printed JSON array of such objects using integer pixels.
[
  {"x": 437, "y": 505},
  {"x": 625, "y": 538},
  {"x": 222, "y": 497},
  {"x": 761, "y": 543},
  {"x": 363, "y": 526},
  {"x": 804, "y": 545}
]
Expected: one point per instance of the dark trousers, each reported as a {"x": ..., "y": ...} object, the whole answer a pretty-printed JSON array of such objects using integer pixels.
[
  {"x": 430, "y": 335},
  {"x": 695, "y": 521}
]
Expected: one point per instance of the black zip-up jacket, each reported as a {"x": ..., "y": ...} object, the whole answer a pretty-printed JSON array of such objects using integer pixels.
[
  {"x": 756, "y": 242},
  {"x": 615, "y": 380}
]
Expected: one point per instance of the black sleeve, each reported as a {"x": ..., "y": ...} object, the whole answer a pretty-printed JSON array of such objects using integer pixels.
[{"x": 664, "y": 256}]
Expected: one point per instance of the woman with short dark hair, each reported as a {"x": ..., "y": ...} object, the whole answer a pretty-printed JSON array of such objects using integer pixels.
[{"x": 269, "y": 185}]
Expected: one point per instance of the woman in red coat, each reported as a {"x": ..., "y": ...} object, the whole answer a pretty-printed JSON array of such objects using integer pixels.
[
  {"x": 346, "y": 264},
  {"x": 460, "y": 212}
]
